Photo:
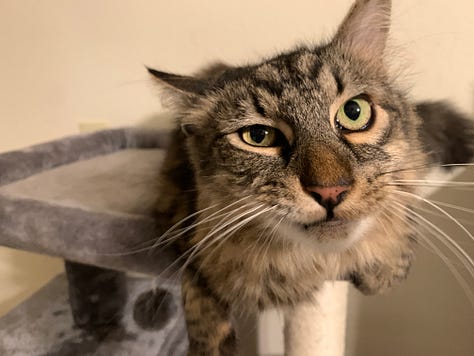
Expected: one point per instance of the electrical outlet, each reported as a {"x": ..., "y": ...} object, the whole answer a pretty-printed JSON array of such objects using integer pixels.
[{"x": 91, "y": 126}]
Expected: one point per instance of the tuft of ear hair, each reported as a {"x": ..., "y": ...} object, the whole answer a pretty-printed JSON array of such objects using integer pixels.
[
  {"x": 364, "y": 30},
  {"x": 179, "y": 84}
]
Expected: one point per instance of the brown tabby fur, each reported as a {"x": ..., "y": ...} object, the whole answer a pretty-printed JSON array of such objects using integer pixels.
[{"x": 261, "y": 238}]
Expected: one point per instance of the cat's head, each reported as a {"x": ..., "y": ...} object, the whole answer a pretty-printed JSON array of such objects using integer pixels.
[{"x": 315, "y": 135}]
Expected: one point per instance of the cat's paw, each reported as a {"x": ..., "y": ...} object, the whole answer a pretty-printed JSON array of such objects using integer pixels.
[
  {"x": 381, "y": 276},
  {"x": 226, "y": 347}
]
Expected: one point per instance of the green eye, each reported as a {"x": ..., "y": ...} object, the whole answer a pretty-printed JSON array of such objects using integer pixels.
[
  {"x": 260, "y": 136},
  {"x": 354, "y": 115}
]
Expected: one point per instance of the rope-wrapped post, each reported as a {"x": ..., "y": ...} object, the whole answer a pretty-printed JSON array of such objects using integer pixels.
[{"x": 319, "y": 328}]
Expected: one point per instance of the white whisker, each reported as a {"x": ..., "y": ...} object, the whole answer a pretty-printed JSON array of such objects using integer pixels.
[
  {"x": 261, "y": 243},
  {"x": 433, "y": 185},
  {"x": 457, "y": 275},
  {"x": 226, "y": 234},
  {"x": 191, "y": 252},
  {"x": 272, "y": 235},
  {"x": 452, "y": 206},
  {"x": 439, "y": 209},
  {"x": 207, "y": 219},
  {"x": 164, "y": 238},
  {"x": 457, "y": 165},
  {"x": 444, "y": 182},
  {"x": 453, "y": 246},
  {"x": 194, "y": 250},
  {"x": 434, "y": 213}
]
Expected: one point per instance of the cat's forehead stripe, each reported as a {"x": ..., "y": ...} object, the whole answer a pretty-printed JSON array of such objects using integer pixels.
[
  {"x": 306, "y": 62},
  {"x": 298, "y": 71},
  {"x": 339, "y": 83},
  {"x": 329, "y": 82},
  {"x": 267, "y": 71}
]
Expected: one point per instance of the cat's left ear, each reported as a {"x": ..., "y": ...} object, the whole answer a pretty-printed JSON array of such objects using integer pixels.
[
  {"x": 178, "y": 84},
  {"x": 365, "y": 28}
]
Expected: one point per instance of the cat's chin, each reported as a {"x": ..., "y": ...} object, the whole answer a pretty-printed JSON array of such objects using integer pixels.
[
  {"x": 325, "y": 224},
  {"x": 327, "y": 236}
]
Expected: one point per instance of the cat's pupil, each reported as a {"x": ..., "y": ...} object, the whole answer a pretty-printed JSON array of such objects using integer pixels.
[
  {"x": 352, "y": 110},
  {"x": 258, "y": 133}
]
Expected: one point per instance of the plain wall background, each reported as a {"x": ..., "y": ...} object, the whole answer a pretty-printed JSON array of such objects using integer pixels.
[{"x": 64, "y": 63}]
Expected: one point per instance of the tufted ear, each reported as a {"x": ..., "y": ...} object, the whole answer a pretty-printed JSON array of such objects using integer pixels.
[
  {"x": 189, "y": 86},
  {"x": 365, "y": 28}
]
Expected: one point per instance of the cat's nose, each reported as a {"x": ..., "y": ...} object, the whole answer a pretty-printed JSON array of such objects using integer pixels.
[{"x": 328, "y": 197}]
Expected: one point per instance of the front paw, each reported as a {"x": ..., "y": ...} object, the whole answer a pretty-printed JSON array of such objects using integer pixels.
[
  {"x": 226, "y": 347},
  {"x": 379, "y": 277}
]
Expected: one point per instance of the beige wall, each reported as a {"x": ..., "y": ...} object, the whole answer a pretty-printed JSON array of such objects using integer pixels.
[{"x": 64, "y": 62}]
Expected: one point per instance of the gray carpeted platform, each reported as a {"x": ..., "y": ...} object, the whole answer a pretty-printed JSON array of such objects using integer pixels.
[{"x": 89, "y": 199}]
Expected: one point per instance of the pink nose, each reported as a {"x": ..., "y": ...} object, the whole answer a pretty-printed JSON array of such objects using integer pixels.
[{"x": 328, "y": 196}]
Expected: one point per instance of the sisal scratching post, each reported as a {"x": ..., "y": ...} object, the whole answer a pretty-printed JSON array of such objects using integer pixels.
[{"x": 318, "y": 329}]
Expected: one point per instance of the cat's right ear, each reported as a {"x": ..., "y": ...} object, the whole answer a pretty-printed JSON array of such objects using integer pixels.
[
  {"x": 178, "y": 84},
  {"x": 364, "y": 30}
]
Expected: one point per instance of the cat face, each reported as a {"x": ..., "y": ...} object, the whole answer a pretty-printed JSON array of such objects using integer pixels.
[{"x": 312, "y": 138}]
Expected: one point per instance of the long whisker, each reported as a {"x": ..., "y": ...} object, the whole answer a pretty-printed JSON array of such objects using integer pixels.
[
  {"x": 241, "y": 224},
  {"x": 257, "y": 242},
  {"x": 193, "y": 251},
  {"x": 220, "y": 227},
  {"x": 432, "y": 185},
  {"x": 169, "y": 239},
  {"x": 461, "y": 280},
  {"x": 452, "y": 206},
  {"x": 401, "y": 213},
  {"x": 198, "y": 213},
  {"x": 212, "y": 217},
  {"x": 195, "y": 248},
  {"x": 389, "y": 214},
  {"x": 434, "y": 213},
  {"x": 443, "y": 182},
  {"x": 187, "y": 218},
  {"x": 453, "y": 246},
  {"x": 425, "y": 166},
  {"x": 463, "y": 283},
  {"x": 272, "y": 234},
  {"x": 457, "y": 165},
  {"x": 262, "y": 243},
  {"x": 152, "y": 243},
  {"x": 225, "y": 235},
  {"x": 406, "y": 169},
  {"x": 439, "y": 209}
]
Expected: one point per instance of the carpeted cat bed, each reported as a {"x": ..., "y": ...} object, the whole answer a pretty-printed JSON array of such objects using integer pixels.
[{"x": 89, "y": 199}]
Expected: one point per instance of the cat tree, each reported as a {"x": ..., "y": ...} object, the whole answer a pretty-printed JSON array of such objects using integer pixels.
[{"x": 89, "y": 199}]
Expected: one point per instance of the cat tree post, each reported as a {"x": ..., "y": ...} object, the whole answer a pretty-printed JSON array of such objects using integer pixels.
[{"x": 318, "y": 329}]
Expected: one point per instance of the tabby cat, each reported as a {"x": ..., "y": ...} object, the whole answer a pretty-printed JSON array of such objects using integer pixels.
[{"x": 284, "y": 174}]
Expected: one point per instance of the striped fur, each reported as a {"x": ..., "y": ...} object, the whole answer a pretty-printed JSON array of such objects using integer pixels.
[{"x": 258, "y": 237}]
